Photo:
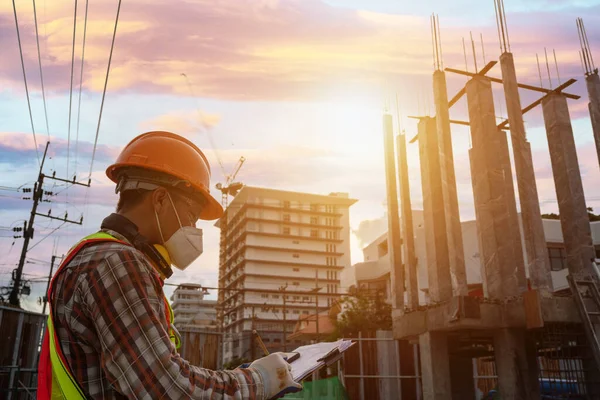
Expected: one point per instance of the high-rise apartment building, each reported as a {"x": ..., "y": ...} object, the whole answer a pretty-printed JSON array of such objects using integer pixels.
[
  {"x": 281, "y": 256},
  {"x": 191, "y": 310}
]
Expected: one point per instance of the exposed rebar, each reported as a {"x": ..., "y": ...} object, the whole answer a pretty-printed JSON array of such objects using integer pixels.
[
  {"x": 556, "y": 65},
  {"x": 537, "y": 59},
  {"x": 474, "y": 53},
  {"x": 548, "y": 68}
]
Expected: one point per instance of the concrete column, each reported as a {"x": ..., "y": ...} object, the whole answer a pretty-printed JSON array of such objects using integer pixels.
[
  {"x": 592, "y": 82},
  {"x": 537, "y": 261},
  {"x": 456, "y": 252},
  {"x": 435, "y": 366},
  {"x": 461, "y": 374},
  {"x": 408, "y": 242},
  {"x": 503, "y": 269},
  {"x": 394, "y": 241},
  {"x": 574, "y": 219},
  {"x": 436, "y": 240},
  {"x": 516, "y": 365}
]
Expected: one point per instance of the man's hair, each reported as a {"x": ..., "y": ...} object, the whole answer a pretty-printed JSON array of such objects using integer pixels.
[{"x": 131, "y": 198}]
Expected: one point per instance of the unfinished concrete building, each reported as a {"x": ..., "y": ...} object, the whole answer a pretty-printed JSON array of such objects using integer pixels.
[
  {"x": 528, "y": 336},
  {"x": 592, "y": 82}
]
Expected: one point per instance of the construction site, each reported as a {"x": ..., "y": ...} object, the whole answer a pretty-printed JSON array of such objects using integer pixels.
[
  {"x": 512, "y": 333},
  {"x": 528, "y": 336}
]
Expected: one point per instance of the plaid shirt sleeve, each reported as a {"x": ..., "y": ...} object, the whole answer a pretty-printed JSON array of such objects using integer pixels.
[{"x": 125, "y": 301}]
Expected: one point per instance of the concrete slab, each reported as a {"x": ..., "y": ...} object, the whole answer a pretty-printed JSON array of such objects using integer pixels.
[{"x": 489, "y": 316}]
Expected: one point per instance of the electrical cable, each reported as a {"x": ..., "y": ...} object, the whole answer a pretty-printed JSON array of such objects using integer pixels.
[
  {"x": 37, "y": 40},
  {"x": 71, "y": 89},
  {"x": 37, "y": 153},
  {"x": 46, "y": 236},
  {"x": 81, "y": 83},
  {"x": 112, "y": 46}
]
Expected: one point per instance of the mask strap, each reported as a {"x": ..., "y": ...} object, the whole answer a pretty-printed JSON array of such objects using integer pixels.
[
  {"x": 174, "y": 209},
  {"x": 159, "y": 230}
]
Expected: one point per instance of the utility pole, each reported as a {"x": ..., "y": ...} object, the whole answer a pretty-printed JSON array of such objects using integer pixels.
[
  {"x": 282, "y": 290},
  {"x": 38, "y": 193},
  {"x": 252, "y": 342},
  {"x": 316, "y": 291},
  {"x": 45, "y": 297}
]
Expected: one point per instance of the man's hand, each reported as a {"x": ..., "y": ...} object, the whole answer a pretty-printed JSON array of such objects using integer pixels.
[{"x": 275, "y": 372}]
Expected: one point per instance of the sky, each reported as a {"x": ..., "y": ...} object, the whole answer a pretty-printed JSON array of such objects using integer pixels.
[{"x": 297, "y": 87}]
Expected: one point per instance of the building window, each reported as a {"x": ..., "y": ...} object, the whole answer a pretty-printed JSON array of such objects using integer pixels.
[
  {"x": 296, "y": 311},
  {"x": 296, "y": 255},
  {"x": 295, "y": 242},
  {"x": 286, "y": 217},
  {"x": 314, "y": 233},
  {"x": 314, "y": 220},
  {"x": 275, "y": 296},
  {"x": 296, "y": 298},
  {"x": 558, "y": 258},
  {"x": 305, "y": 312},
  {"x": 296, "y": 283},
  {"x": 286, "y": 204},
  {"x": 296, "y": 269},
  {"x": 264, "y": 296},
  {"x": 314, "y": 207},
  {"x": 286, "y": 230},
  {"x": 306, "y": 298}
]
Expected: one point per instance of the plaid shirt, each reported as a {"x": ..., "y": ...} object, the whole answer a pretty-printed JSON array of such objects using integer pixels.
[{"x": 109, "y": 315}]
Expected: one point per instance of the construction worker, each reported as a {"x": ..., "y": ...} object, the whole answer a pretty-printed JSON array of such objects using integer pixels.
[{"x": 110, "y": 330}]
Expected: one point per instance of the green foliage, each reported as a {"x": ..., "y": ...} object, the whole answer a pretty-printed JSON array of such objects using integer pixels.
[
  {"x": 364, "y": 311},
  {"x": 593, "y": 217}
]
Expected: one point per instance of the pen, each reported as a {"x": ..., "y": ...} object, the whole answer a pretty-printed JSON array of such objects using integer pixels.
[{"x": 260, "y": 342}]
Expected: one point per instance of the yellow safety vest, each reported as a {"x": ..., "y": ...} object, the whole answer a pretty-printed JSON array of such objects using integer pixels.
[{"x": 55, "y": 380}]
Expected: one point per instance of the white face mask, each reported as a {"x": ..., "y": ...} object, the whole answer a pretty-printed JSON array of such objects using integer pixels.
[{"x": 185, "y": 245}]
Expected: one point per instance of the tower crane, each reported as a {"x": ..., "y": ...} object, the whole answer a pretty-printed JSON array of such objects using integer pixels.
[{"x": 230, "y": 187}]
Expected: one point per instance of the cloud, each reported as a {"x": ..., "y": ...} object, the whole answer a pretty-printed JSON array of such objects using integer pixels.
[
  {"x": 251, "y": 49},
  {"x": 370, "y": 229},
  {"x": 186, "y": 123},
  {"x": 18, "y": 149}
]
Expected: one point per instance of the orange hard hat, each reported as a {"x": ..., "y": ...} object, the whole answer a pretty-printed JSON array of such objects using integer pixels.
[{"x": 166, "y": 159}]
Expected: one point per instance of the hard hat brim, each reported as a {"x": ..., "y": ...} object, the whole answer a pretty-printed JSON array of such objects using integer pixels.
[{"x": 211, "y": 209}]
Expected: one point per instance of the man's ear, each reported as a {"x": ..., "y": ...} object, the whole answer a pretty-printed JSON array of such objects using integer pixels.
[{"x": 159, "y": 199}]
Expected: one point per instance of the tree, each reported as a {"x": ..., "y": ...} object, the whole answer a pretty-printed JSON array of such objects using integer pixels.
[
  {"x": 592, "y": 217},
  {"x": 364, "y": 311}
]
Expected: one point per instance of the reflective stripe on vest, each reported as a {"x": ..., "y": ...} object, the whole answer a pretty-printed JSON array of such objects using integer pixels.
[{"x": 55, "y": 380}]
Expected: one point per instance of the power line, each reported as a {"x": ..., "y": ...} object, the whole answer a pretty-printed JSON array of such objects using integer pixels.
[
  {"x": 25, "y": 81},
  {"x": 112, "y": 46},
  {"x": 81, "y": 83},
  {"x": 37, "y": 40},
  {"x": 45, "y": 237},
  {"x": 71, "y": 89}
]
